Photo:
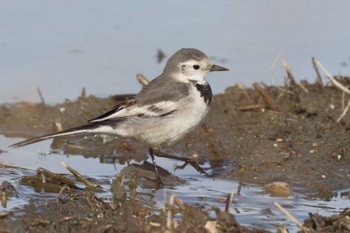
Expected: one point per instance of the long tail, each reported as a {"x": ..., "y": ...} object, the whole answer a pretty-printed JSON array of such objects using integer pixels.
[{"x": 89, "y": 128}]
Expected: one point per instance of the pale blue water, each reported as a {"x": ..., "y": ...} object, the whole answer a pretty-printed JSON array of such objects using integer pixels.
[{"x": 63, "y": 46}]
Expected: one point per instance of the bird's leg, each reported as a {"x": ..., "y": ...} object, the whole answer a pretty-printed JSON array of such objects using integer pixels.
[
  {"x": 187, "y": 161},
  {"x": 151, "y": 153}
]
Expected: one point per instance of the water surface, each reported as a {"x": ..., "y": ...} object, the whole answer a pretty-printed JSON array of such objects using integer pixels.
[{"x": 63, "y": 46}]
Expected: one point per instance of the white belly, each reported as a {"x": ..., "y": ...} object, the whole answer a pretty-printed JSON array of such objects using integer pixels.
[{"x": 186, "y": 120}]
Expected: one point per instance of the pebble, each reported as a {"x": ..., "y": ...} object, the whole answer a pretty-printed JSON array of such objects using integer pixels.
[{"x": 278, "y": 189}]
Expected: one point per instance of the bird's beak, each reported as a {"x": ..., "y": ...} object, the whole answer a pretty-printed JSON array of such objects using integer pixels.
[{"x": 218, "y": 68}]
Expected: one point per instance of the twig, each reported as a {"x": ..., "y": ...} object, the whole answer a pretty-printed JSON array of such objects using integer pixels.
[
  {"x": 343, "y": 101},
  {"x": 3, "y": 199},
  {"x": 251, "y": 107},
  {"x": 291, "y": 76},
  {"x": 79, "y": 176},
  {"x": 41, "y": 96},
  {"x": 48, "y": 176},
  {"x": 344, "y": 112},
  {"x": 333, "y": 80},
  {"x": 142, "y": 79},
  {"x": 319, "y": 78},
  {"x": 268, "y": 100},
  {"x": 180, "y": 203},
  {"x": 239, "y": 188},
  {"x": 291, "y": 217},
  {"x": 15, "y": 166},
  {"x": 229, "y": 202},
  {"x": 169, "y": 221},
  {"x": 289, "y": 72},
  {"x": 244, "y": 89},
  {"x": 303, "y": 87},
  {"x": 279, "y": 57}
]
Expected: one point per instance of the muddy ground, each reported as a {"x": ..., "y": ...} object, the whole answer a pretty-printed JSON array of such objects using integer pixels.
[{"x": 292, "y": 133}]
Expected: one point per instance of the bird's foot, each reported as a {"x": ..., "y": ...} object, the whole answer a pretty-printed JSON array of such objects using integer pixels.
[
  {"x": 188, "y": 161},
  {"x": 194, "y": 164}
]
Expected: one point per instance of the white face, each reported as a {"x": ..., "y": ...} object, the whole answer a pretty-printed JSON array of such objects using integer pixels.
[{"x": 195, "y": 70}]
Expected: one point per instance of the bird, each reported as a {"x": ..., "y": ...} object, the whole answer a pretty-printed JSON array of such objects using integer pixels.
[{"x": 162, "y": 113}]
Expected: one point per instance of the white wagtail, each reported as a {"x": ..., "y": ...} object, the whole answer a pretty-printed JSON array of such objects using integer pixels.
[{"x": 169, "y": 107}]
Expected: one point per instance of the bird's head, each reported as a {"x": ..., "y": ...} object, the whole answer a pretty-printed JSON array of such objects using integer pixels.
[{"x": 190, "y": 65}]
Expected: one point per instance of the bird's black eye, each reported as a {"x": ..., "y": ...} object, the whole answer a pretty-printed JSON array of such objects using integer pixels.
[{"x": 196, "y": 67}]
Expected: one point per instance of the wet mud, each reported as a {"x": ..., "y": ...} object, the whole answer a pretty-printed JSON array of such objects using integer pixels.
[{"x": 297, "y": 134}]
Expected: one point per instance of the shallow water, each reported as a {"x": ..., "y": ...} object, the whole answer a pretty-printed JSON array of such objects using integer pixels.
[
  {"x": 102, "y": 46},
  {"x": 252, "y": 206}
]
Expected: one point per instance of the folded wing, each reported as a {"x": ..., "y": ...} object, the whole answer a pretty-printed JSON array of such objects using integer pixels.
[{"x": 133, "y": 109}]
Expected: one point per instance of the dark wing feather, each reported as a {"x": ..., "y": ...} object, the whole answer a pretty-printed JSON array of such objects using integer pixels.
[
  {"x": 75, "y": 130},
  {"x": 117, "y": 108}
]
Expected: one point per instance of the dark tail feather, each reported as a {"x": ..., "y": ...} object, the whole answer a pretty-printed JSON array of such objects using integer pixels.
[{"x": 80, "y": 129}]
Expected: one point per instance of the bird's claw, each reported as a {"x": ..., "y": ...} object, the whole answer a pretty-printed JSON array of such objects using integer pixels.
[{"x": 194, "y": 165}]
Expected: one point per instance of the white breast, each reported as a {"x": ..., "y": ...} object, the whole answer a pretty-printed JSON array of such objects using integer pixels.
[{"x": 189, "y": 115}]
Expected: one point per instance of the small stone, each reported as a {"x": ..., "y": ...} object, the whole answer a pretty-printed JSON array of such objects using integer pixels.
[
  {"x": 210, "y": 226},
  {"x": 279, "y": 140},
  {"x": 195, "y": 155},
  {"x": 278, "y": 189}
]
